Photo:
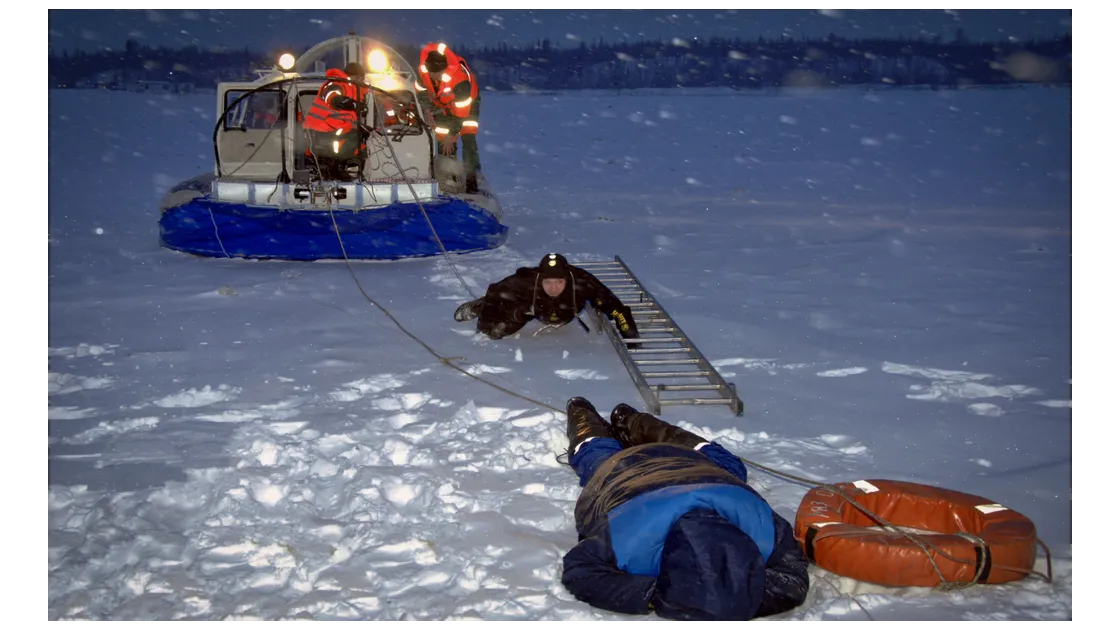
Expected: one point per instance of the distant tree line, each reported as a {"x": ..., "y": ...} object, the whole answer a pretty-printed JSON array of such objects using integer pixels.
[{"x": 714, "y": 62}]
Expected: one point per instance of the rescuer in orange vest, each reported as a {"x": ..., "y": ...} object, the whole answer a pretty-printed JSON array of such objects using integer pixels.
[
  {"x": 333, "y": 122},
  {"x": 447, "y": 83}
]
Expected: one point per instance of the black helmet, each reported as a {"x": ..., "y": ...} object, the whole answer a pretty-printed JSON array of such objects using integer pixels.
[
  {"x": 354, "y": 69},
  {"x": 553, "y": 266}
]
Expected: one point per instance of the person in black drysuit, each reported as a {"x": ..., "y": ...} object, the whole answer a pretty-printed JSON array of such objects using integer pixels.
[
  {"x": 668, "y": 524},
  {"x": 553, "y": 292}
]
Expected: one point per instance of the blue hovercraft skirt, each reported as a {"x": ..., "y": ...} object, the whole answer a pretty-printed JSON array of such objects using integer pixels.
[{"x": 211, "y": 228}]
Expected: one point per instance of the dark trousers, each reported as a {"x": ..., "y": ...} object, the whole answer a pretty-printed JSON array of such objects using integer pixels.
[
  {"x": 471, "y": 160},
  {"x": 471, "y": 163},
  {"x": 332, "y": 164}
]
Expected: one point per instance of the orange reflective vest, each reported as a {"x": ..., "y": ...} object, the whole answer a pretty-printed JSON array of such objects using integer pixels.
[
  {"x": 323, "y": 116},
  {"x": 454, "y": 89}
]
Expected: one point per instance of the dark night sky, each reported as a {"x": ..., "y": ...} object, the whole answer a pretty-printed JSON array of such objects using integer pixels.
[{"x": 273, "y": 29}]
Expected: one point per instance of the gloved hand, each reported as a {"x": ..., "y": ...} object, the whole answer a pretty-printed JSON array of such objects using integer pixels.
[
  {"x": 345, "y": 103},
  {"x": 626, "y": 326},
  {"x": 631, "y": 332}
]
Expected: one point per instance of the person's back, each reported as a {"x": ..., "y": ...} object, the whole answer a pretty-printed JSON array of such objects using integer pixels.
[
  {"x": 326, "y": 114},
  {"x": 667, "y": 522},
  {"x": 333, "y": 121}
]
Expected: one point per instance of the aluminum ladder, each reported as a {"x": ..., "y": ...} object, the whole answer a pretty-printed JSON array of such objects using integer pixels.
[{"x": 664, "y": 344}]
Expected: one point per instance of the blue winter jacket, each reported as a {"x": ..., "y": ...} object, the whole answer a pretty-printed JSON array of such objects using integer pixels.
[{"x": 657, "y": 522}]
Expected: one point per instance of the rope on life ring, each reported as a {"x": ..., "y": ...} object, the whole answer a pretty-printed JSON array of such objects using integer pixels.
[{"x": 855, "y": 529}]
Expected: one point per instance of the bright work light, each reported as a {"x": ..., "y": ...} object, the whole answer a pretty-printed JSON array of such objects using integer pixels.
[{"x": 378, "y": 61}]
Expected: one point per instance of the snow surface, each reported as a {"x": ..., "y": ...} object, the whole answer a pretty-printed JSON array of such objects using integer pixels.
[{"x": 885, "y": 275}]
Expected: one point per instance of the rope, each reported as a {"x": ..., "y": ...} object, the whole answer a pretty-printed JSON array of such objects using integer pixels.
[
  {"x": 214, "y": 222},
  {"x": 929, "y": 549},
  {"x": 424, "y": 212},
  {"x": 926, "y": 547},
  {"x": 210, "y": 210},
  {"x": 921, "y": 543},
  {"x": 984, "y": 559},
  {"x": 447, "y": 361}
]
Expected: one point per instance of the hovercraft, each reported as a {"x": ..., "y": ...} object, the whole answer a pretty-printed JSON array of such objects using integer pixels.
[{"x": 270, "y": 198}]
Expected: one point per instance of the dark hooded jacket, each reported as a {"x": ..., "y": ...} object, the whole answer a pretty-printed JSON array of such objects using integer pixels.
[
  {"x": 663, "y": 528},
  {"x": 512, "y": 302}
]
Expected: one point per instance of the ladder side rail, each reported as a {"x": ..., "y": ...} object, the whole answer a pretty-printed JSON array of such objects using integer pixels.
[
  {"x": 714, "y": 377},
  {"x": 651, "y": 400}
]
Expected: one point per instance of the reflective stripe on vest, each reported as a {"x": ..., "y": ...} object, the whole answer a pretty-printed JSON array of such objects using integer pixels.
[{"x": 322, "y": 117}]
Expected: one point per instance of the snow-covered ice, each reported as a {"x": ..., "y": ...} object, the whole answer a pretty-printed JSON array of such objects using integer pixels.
[{"x": 887, "y": 283}]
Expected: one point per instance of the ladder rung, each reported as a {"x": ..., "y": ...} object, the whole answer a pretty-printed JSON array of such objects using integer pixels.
[
  {"x": 696, "y": 401},
  {"x": 679, "y": 388},
  {"x": 652, "y": 320}
]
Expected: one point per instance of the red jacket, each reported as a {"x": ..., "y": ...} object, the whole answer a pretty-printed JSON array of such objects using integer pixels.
[
  {"x": 323, "y": 115},
  {"x": 454, "y": 89}
]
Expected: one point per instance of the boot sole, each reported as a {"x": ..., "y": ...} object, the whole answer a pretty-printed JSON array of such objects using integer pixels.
[{"x": 467, "y": 312}]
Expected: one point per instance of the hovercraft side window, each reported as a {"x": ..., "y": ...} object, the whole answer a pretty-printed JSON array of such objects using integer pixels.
[
  {"x": 260, "y": 110},
  {"x": 251, "y": 138}
]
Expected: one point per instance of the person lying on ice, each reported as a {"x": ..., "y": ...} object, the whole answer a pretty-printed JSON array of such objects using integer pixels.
[
  {"x": 667, "y": 523},
  {"x": 553, "y": 292}
]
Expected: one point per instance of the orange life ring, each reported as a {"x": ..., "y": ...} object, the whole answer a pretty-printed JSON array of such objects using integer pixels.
[{"x": 838, "y": 537}]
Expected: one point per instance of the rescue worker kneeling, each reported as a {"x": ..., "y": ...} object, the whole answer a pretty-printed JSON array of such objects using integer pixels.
[
  {"x": 336, "y": 137},
  {"x": 554, "y": 292},
  {"x": 667, "y": 523}
]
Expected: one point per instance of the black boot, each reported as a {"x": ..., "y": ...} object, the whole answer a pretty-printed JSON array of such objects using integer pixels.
[
  {"x": 634, "y": 427},
  {"x": 468, "y": 310},
  {"x": 583, "y": 423}
]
